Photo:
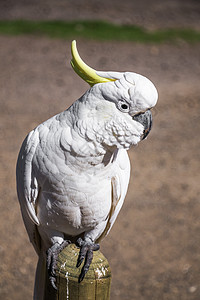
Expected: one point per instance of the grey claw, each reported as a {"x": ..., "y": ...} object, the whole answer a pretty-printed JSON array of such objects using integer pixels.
[
  {"x": 53, "y": 282},
  {"x": 86, "y": 252},
  {"x": 52, "y": 257}
]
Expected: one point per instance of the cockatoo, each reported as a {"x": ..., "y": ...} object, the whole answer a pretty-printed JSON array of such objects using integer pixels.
[{"x": 73, "y": 170}]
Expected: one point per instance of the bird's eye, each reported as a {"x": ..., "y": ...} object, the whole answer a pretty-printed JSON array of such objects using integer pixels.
[{"x": 123, "y": 106}]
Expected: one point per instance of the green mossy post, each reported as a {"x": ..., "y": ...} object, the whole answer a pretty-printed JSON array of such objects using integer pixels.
[{"x": 96, "y": 284}]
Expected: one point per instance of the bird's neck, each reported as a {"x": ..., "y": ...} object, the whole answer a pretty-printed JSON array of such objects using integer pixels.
[{"x": 91, "y": 164}]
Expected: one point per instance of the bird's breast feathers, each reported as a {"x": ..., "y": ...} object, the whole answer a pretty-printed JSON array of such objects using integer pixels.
[{"x": 74, "y": 193}]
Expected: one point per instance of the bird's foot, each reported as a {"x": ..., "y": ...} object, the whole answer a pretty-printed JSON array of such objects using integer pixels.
[
  {"x": 86, "y": 252},
  {"x": 52, "y": 257}
]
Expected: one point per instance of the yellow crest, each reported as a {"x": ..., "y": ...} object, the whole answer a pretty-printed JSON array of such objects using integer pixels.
[{"x": 84, "y": 71}]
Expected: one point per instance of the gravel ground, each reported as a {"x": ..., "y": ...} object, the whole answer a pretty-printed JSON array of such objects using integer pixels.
[{"x": 155, "y": 239}]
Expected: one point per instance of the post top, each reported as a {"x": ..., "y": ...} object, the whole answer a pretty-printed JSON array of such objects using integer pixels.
[{"x": 66, "y": 265}]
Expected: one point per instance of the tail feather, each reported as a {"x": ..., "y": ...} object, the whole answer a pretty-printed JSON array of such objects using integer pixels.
[{"x": 40, "y": 278}]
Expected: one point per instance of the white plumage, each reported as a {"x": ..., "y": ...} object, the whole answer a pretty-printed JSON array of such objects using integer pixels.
[{"x": 73, "y": 170}]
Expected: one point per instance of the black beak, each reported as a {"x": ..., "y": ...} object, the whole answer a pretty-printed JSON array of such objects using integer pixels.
[{"x": 146, "y": 120}]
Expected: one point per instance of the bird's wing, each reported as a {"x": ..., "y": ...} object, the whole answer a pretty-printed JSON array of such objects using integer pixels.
[
  {"x": 27, "y": 186},
  {"x": 119, "y": 186}
]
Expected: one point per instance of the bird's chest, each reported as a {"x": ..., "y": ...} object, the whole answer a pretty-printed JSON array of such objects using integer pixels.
[
  {"x": 75, "y": 201},
  {"x": 75, "y": 195}
]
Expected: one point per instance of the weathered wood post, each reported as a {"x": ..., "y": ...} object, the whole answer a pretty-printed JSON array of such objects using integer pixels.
[{"x": 95, "y": 286}]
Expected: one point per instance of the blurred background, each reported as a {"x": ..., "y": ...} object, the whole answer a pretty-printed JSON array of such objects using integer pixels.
[{"x": 153, "y": 248}]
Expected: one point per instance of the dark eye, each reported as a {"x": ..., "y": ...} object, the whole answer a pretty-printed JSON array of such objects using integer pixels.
[{"x": 123, "y": 106}]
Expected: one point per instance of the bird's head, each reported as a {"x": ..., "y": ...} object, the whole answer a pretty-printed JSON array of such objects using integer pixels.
[{"x": 119, "y": 102}]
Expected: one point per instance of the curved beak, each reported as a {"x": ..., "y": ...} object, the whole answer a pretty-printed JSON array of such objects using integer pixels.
[{"x": 146, "y": 120}]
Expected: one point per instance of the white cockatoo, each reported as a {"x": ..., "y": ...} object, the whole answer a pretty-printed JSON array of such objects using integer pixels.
[{"x": 73, "y": 169}]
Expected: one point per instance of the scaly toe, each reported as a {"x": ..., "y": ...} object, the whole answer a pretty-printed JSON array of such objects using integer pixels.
[
  {"x": 86, "y": 252},
  {"x": 52, "y": 257}
]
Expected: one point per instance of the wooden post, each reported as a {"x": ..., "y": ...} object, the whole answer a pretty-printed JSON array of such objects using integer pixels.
[{"x": 95, "y": 285}]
